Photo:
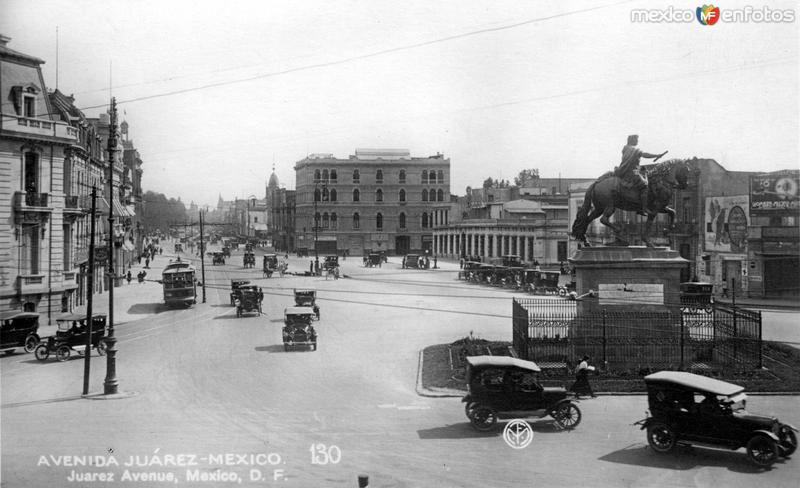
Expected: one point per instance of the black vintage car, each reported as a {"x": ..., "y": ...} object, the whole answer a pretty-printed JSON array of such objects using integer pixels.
[
  {"x": 330, "y": 262},
  {"x": 697, "y": 296},
  {"x": 248, "y": 299},
  {"x": 306, "y": 298},
  {"x": 373, "y": 260},
  {"x": 226, "y": 251},
  {"x": 506, "y": 387},
  {"x": 235, "y": 285},
  {"x": 297, "y": 329},
  {"x": 218, "y": 258},
  {"x": 249, "y": 259},
  {"x": 412, "y": 261},
  {"x": 19, "y": 329},
  {"x": 71, "y": 336},
  {"x": 692, "y": 409}
]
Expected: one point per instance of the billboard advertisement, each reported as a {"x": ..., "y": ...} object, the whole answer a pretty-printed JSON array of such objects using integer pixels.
[
  {"x": 775, "y": 191},
  {"x": 726, "y": 220}
]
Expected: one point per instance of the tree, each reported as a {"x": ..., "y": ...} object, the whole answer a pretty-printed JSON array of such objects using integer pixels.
[
  {"x": 526, "y": 176},
  {"x": 160, "y": 212},
  {"x": 488, "y": 183}
]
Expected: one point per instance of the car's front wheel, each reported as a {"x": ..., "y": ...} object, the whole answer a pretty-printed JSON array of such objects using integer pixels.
[
  {"x": 788, "y": 441},
  {"x": 30, "y": 343},
  {"x": 483, "y": 418},
  {"x": 469, "y": 408},
  {"x": 661, "y": 437},
  {"x": 102, "y": 345},
  {"x": 762, "y": 451},
  {"x": 567, "y": 415},
  {"x": 42, "y": 353}
]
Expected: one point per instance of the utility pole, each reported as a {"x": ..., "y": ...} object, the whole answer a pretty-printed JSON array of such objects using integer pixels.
[
  {"x": 90, "y": 286},
  {"x": 110, "y": 385},
  {"x": 202, "y": 258}
]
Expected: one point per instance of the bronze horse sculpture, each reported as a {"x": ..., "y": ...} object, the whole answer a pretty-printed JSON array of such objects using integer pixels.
[{"x": 610, "y": 193}]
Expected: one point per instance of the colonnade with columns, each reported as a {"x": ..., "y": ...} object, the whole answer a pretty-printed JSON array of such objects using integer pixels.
[{"x": 486, "y": 243}]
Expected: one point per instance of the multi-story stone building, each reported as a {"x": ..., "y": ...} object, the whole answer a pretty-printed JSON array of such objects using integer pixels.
[
  {"x": 281, "y": 204},
  {"x": 35, "y": 273},
  {"x": 377, "y": 199}
]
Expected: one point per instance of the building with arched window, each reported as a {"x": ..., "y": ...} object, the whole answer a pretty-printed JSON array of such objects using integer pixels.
[{"x": 379, "y": 197}]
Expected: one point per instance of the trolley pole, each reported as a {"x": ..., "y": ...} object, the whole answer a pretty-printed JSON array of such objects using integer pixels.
[
  {"x": 202, "y": 257},
  {"x": 110, "y": 385},
  {"x": 90, "y": 286}
]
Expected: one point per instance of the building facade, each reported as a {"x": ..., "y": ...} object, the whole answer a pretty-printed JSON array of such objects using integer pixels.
[
  {"x": 375, "y": 200},
  {"x": 281, "y": 205},
  {"x": 35, "y": 272}
]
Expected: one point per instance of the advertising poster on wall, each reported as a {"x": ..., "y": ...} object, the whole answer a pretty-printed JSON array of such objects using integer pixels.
[
  {"x": 726, "y": 221},
  {"x": 775, "y": 191}
]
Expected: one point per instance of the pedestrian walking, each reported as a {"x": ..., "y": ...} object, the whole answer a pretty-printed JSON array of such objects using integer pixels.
[
  {"x": 311, "y": 267},
  {"x": 129, "y": 277},
  {"x": 147, "y": 263},
  {"x": 581, "y": 385},
  {"x": 434, "y": 262}
]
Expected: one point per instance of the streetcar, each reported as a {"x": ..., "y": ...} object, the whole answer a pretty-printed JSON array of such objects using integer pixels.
[{"x": 179, "y": 282}]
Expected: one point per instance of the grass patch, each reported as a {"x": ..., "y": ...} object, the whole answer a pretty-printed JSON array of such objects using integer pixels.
[{"x": 444, "y": 367}]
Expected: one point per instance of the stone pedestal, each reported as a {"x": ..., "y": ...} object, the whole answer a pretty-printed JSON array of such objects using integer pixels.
[{"x": 626, "y": 279}]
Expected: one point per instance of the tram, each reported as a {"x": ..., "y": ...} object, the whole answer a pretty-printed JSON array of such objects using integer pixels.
[{"x": 180, "y": 286}]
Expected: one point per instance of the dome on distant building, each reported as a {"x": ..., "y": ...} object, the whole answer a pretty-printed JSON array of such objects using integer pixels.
[{"x": 273, "y": 180}]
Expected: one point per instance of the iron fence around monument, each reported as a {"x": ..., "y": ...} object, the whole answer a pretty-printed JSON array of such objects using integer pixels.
[{"x": 550, "y": 331}]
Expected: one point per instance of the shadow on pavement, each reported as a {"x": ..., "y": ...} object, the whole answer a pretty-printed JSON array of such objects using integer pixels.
[
  {"x": 41, "y": 402},
  {"x": 273, "y": 348},
  {"x": 147, "y": 308},
  {"x": 456, "y": 431},
  {"x": 683, "y": 458}
]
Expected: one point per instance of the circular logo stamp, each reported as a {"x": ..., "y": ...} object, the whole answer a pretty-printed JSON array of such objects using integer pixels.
[{"x": 518, "y": 434}]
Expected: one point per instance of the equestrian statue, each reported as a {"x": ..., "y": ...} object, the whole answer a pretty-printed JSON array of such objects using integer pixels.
[{"x": 646, "y": 190}]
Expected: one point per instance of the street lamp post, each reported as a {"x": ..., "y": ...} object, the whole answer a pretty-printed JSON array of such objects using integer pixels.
[{"x": 110, "y": 385}]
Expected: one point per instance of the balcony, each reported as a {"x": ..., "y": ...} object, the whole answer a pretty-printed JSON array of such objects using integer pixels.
[
  {"x": 31, "y": 207},
  {"x": 39, "y": 127},
  {"x": 32, "y": 283}
]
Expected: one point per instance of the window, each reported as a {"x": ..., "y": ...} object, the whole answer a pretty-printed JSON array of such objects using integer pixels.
[
  {"x": 333, "y": 194},
  {"x": 356, "y": 176},
  {"x": 440, "y": 195},
  {"x": 317, "y": 195},
  {"x": 255, "y": 220},
  {"x": 28, "y": 105},
  {"x": 424, "y": 195},
  {"x": 31, "y": 172},
  {"x": 402, "y": 176},
  {"x": 424, "y": 220},
  {"x": 324, "y": 175},
  {"x": 325, "y": 220},
  {"x": 402, "y": 220},
  {"x": 316, "y": 175},
  {"x": 424, "y": 176},
  {"x": 325, "y": 195},
  {"x": 356, "y": 221},
  {"x": 29, "y": 248},
  {"x": 379, "y": 221},
  {"x": 316, "y": 220},
  {"x": 356, "y": 195},
  {"x": 379, "y": 195},
  {"x": 334, "y": 221},
  {"x": 333, "y": 176},
  {"x": 379, "y": 176},
  {"x": 440, "y": 176},
  {"x": 402, "y": 195}
]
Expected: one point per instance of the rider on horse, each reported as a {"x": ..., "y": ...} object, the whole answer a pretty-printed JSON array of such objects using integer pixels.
[{"x": 628, "y": 169}]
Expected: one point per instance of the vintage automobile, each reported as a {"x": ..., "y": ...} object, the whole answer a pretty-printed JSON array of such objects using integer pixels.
[
  {"x": 249, "y": 259},
  {"x": 19, "y": 329},
  {"x": 506, "y": 387},
  {"x": 373, "y": 260},
  {"x": 248, "y": 299},
  {"x": 270, "y": 264},
  {"x": 71, "y": 336},
  {"x": 302, "y": 252},
  {"x": 687, "y": 408},
  {"x": 235, "y": 285},
  {"x": 411, "y": 261},
  {"x": 330, "y": 263},
  {"x": 297, "y": 329},
  {"x": 178, "y": 247},
  {"x": 226, "y": 251},
  {"x": 218, "y": 258},
  {"x": 540, "y": 282},
  {"x": 306, "y": 298},
  {"x": 697, "y": 296}
]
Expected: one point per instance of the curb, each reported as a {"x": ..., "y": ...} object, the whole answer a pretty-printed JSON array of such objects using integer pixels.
[
  {"x": 433, "y": 392},
  {"x": 450, "y": 393}
]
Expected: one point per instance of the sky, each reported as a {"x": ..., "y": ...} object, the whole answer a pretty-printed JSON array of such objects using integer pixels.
[{"x": 217, "y": 93}]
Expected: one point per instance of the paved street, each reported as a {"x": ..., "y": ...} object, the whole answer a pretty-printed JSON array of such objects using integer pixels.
[{"x": 204, "y": 384}]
